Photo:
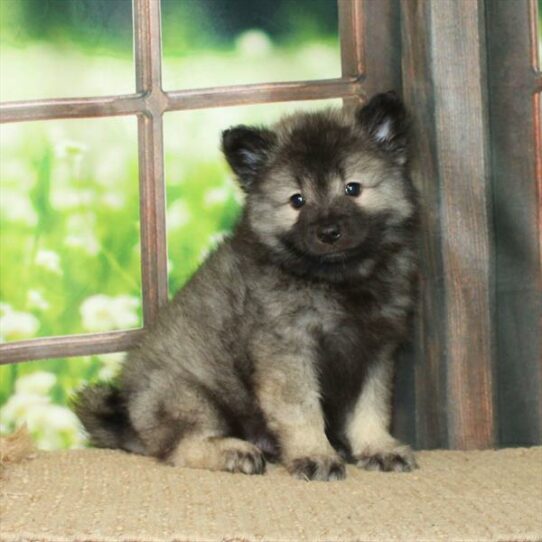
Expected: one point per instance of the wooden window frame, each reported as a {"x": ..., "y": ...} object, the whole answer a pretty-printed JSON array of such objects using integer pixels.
[{"x": 150, "y": 102}]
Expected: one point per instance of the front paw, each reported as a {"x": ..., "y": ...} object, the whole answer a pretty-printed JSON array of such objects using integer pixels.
[
  {"x": 245, "y": 461},
  {"x": 318, "y": 467},
  {"x": 394, "y": 458}
]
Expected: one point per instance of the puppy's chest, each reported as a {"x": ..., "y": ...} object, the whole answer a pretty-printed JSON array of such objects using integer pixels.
[
  {"x": 307, "y": 311},
  {"x": 320, "y": 315}
]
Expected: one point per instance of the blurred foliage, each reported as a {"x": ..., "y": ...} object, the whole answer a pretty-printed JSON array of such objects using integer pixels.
[
  {"x": 188, "y": 24},
  {"x": 69, "y": 198}
]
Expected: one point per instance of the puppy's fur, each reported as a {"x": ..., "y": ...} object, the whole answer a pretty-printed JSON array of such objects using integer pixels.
[{"x": 281, "y": 345}]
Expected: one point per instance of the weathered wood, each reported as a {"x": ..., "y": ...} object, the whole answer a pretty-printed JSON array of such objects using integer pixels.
[
  {"x": 262, "y": 93},
  {"x": 517, "y": 178},
  {"x": 160, "y": 102},
  {"x": 382, "y": 43},
  {"x": 430, "y": 346},
  {"x": 351, "y": 34},
  {"x": 70, "y": 108},
  {"x": 73, "y": 345},
  {"x": 444, "y": 86},
  {"x": 148, "y": 58},
  {"x": 458, "y": 67}
]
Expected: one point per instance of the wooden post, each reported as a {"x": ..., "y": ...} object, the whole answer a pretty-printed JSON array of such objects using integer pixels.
[{"x": 444, "y": 81}]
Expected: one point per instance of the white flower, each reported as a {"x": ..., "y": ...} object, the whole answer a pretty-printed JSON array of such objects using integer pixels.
[
  {"x": 214, "y": 240},
  {"x": 96, "y": 313},
  {"x": 64, "y": 198},
  {"x": 102, "y": 313},
  {"x": 36, "y": 300},
  {"x": 53, "y": 426},
  {"x": 85, "y": 241},
  {"x": 125, "y": 307},
  {"x": 15, "y": 325},
  {"x": 111, "y": 364},
  {"x": 178, "y": 215},
  {"x": 318, "y": 58},
  {"x": 17, "y": 173},
  {"x": 57, "y": 418},
  {"x": 37, "y": 383},
  {"x": 216, "y": 196},
  {"x": 17, "y": 207},
  {"x": 16, "y": 409},
  {"x": 5, "y": 308},
  {"x": 254, "y": 43},
  {"x": 110, "y": 169},
  {"x": 50, "y": 260},
  {"x": 80, "y": 235},
  {"x": 81, "y": 222},
  {"x": 70, "y": 149},
  {"x": 113, "y": 200}
]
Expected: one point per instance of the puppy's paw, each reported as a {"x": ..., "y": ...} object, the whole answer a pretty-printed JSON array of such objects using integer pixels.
[
  {"x": 318, "y": 467},
  {"x": 395, "y": 458},
  {"x": 246, "y": 461}
]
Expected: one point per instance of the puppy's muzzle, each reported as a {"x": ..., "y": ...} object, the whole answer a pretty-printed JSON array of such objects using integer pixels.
[{"x": 329, "y": 233}]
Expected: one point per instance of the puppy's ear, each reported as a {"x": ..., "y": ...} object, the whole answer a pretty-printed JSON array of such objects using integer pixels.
[
  {"x": 247, "y": 151},
  {"x": 384, "y": 120}
]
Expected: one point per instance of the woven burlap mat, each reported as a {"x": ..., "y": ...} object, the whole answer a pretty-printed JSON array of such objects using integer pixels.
[{"x": 98, "y": 495}]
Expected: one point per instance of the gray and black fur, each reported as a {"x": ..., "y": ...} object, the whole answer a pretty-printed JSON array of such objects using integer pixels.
[{"x": 281, "y": 345}]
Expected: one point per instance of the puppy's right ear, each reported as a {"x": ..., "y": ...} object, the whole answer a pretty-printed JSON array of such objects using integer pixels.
[{"x": 247, "y": 151}]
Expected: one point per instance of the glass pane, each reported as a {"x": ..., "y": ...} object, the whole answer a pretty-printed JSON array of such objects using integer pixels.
[
  {"x": 220, "y": 42},
  {"x": 37, "y": 394},
  {"x": 69, "y": 232},
  {"x": 203, "y": 199},
  {"x": 63, "y": 48}
]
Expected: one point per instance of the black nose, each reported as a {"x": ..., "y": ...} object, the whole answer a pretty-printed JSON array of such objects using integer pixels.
[{"x": 329, "y": 233}]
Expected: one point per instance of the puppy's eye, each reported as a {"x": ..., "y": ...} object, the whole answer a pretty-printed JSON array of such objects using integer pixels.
[
  {"x": 297, "y": 201},
  {"x": 352, "y": 189}
]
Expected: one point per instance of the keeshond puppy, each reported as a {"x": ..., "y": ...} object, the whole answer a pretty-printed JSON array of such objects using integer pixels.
[{"x": 281, "y": 346}]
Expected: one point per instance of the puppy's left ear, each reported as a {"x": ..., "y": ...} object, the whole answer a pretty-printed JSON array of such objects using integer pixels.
[
  {"x": 247, "y": 151},
  {"x": 384, "y": 120}
]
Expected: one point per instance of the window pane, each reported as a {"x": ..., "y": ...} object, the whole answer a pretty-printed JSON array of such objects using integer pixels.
[
  {"x": 203, "y": 199},
  {"x": 62, "y": 48},
  {"x": 220, "y": 42},
  {"x": 69, "y": 232}
]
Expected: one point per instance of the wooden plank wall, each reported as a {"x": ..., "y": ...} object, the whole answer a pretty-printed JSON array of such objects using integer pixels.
[{"x": 467, "y": 77}]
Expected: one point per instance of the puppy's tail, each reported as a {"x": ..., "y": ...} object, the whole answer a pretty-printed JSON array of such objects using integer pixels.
[{"x": 103, "y": 413}]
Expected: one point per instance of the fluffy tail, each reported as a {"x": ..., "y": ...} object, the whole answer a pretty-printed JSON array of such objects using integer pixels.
[{"x": 103, "y": 413}]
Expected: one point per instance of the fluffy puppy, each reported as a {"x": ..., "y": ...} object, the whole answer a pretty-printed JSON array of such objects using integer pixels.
[{"x": 281, "y": 346}]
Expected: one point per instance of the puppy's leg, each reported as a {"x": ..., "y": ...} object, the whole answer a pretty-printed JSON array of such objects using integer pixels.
[
  {"x": 214, "y": 452},
  {"x": 367, "y": 427},
  {"x": 183, "y": 427},
  {"x": 287, "y": 390}
]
